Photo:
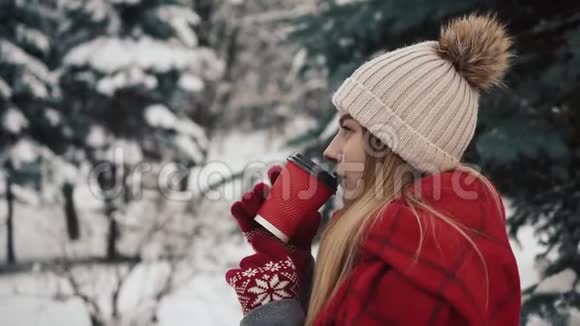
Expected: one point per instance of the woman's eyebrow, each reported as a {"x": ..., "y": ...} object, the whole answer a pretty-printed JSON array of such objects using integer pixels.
[{"x": 343, "y": 118}]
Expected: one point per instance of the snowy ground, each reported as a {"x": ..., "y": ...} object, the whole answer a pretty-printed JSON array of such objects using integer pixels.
[{"x": 28, "y": 299}]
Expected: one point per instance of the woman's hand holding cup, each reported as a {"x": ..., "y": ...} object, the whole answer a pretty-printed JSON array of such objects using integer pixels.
[
  {"x": 246, "y": 209},
  {"x": 289, "y": 263}
]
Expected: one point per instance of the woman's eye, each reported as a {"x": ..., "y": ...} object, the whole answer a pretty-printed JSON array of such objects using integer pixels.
[{"x": 345, "y": 128}]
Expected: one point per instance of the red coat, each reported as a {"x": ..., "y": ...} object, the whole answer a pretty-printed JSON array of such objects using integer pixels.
[{"x": 446, "y": 285}]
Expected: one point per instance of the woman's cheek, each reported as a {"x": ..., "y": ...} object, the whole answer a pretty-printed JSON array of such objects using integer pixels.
[
  {"x": 353, "y": 182},
  {"x": 353, "y": 186}
]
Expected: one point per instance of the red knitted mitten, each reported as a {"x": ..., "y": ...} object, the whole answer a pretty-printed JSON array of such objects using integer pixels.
[
  {"x": 278, "y": 270},
  {"x": 266, "y": 276}
]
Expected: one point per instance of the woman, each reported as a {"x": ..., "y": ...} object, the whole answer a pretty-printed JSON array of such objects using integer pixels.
[{"x": 421, "y": 237}]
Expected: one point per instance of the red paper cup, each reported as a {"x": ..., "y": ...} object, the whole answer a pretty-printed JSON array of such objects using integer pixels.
[{"x": 301, "y": 189}]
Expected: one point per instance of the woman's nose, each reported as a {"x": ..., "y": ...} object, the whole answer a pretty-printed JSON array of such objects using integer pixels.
[{"x": 331, "y": 155}]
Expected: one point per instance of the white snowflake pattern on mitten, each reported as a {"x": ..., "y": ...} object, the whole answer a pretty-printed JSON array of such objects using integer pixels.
[{"x": 275, "y": 280}]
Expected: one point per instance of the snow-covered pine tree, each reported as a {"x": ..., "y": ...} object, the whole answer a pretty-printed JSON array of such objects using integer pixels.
[
  {"x": 528, "y": 138},
  {"x": 31, "y": 132},
  {"x": 136, "y": 82},
  {"x": 123, "y": 61}
]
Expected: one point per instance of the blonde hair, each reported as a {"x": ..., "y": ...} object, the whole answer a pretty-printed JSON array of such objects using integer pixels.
[{"x": 384, "y": 178}]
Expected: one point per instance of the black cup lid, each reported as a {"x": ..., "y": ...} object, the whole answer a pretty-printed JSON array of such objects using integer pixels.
[{"x": 314, "y": 169}]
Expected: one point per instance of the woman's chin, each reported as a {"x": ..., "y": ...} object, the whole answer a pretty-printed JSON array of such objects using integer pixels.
[{"x": 349, "y": 195}]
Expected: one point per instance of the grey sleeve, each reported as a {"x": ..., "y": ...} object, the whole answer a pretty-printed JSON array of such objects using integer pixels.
[{"x": 287, "y": 312}]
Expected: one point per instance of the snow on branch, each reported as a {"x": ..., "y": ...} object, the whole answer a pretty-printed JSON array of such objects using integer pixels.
[
  {"x": 109, "y": 55},
  {"x": 33, "y": 36},
  {"x": 278, "y": 15},
  {"x": 5, "y": 90},
  {"x": 10, "y": 53},
  {"x": 182, "y": 22}
]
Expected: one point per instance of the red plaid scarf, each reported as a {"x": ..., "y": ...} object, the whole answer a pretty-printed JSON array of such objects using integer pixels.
[{"x": 445, "y": 284}]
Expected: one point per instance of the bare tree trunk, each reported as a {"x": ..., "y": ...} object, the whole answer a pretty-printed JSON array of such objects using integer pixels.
[
  {"x": 10, "y": 255},
  {"x": 107, "y": 180},
  {"x": 113, "y": 232},
  {"x": 72, "y": 220},
  {"x": 127, "y": 188}
]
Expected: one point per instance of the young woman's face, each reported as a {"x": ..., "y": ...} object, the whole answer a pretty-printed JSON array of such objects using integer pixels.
[{"x": 347, "y": 151}]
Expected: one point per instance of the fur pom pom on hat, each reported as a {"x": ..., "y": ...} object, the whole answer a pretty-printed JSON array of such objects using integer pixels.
[
  {"x": 478, "y": 47},
  {"x": 422, "y": 100}
]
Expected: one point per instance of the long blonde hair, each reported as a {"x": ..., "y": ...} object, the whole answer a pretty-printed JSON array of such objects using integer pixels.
[{"x": 384, "y": 178}]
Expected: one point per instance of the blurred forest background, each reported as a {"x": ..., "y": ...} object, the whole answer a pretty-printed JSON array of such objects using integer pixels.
[{"x": 112, "y": 111}]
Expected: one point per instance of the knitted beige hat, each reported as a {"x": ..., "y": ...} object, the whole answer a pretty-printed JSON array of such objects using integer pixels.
[{"x": 422, "y": 100}]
